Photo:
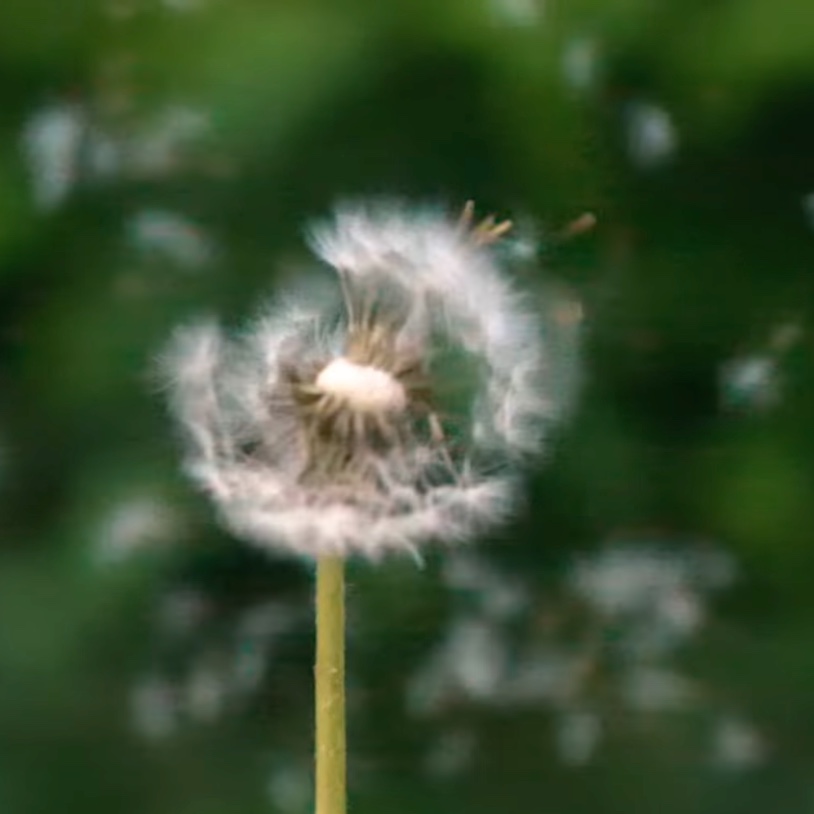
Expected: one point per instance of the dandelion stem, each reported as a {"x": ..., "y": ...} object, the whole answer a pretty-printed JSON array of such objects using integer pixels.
[{"x": 330, "y": 686}]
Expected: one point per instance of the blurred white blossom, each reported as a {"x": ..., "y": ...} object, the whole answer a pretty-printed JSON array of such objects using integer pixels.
[
  {"x": 132, "y": 524},
  {"x": 500, "y": 596},
  {"x": 470, "y": 663},
  {"x": 578, "y": 735},
  {"x": 52, "y": 140},
  {"x": 737, "y": 744},
  {"x": 518, "y": 12},
  {"x": 652, "y": 137},
  {"x": 205, "y": 692},
  {"x": 451, "y": 754},
  {"x": 180, "y": 612},
  {"x": 289, "y": 787},
  {"x": 220, "y": 673},
  {"x": 153, "y": 146},
  {"x": 169, "y": 235},
  {"x": 547, "y": 674},
  {"x": 64, "y": 144},
  {"x": 580, "y": 63},
  {"x": 154, "y": 707},
  {"x": 648, "y": 688},
  {"x": 652, "y": 580},
  {"x": 753, "y": 382},
  {"x": 629, "y": 608}
]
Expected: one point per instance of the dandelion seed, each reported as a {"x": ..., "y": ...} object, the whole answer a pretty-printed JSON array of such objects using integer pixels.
[
  {"x": 320, "y": 432},
  {"x": 652, "y": 136},
  {"x": 578, "y": 735},
  {"x": 738, "y": 745}
]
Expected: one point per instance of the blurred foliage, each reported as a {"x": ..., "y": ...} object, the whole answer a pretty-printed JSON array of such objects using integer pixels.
[{"x": 159, "y": 159}]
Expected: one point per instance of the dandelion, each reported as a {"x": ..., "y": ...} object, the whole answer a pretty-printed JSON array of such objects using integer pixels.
[{"x": 320, "y": 431}]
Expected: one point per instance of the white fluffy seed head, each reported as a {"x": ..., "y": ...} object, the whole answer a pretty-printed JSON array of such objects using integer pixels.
[
  {"x": 319, "y": 437},
  {"x": 363, "y": 388}
]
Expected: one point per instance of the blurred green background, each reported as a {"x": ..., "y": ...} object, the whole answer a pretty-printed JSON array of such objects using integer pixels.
[{"x": 640, "y": 638}]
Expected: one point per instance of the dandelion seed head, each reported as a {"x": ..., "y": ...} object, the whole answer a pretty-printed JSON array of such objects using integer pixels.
[{"x": 319, "y": 431}]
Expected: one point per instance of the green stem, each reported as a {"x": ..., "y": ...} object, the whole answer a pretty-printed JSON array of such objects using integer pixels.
[{"x": 330, "y": 687}]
